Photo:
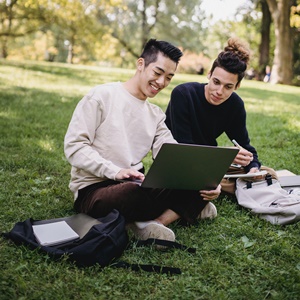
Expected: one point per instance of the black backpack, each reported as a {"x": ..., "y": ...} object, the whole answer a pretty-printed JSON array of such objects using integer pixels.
[{"x": 103, "y": 244}]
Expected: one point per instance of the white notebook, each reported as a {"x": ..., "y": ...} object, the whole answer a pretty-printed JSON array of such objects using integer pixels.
[
  {"x": 54, "y": 233},
  {"x": 247, "y": 175}
]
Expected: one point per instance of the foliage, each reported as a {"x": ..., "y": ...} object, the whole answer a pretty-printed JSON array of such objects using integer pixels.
[
  {"x": 82, "y": 24},
  {"x": 239, "y": 256},
  {"x": 295, "y": 15},
  {"x": 112, "y": 32},
  {"x": 68, "y": 23},
  {"x": 18, "y": 18},
  {"x": 133, "y": 23},
  {"x": 295, "y": 23}
]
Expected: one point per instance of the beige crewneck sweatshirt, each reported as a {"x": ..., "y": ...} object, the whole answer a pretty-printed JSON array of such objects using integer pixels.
[{"x": 112, "y": 130}]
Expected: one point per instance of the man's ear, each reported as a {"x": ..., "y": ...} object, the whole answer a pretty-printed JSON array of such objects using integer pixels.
[
  {"x": 208, "y": 75},
  {"x": 140, "y": 64},
  {"x": 237, "y": 86}
]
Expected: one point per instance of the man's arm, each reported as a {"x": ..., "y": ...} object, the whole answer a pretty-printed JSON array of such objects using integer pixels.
[
  {"x": 78, "y": 143},
  {"x": 163, "y": 135},
  {"x": 247, "y": 156},
  {"x": 178, "y": 118}
]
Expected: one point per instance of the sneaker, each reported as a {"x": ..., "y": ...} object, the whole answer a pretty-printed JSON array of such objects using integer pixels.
[
  {"x": 209, "y": 212},
  {"x": 151, "y": 230}
]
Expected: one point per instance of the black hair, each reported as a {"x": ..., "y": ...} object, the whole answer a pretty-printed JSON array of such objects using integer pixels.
[
  {"x": 234, "y": 59},
  {"x": 153, "y": 47}
]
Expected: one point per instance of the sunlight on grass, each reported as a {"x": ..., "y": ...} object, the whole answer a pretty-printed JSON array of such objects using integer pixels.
[
  {"x": 274, "y": 108},
  {"x": 294, "y": 125},
  {"x": 8, "y": 114},
  {"x": 47, "y": 145}
]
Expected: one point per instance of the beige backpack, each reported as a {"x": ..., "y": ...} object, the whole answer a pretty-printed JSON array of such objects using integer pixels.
[{"x": 267, "y": 199}]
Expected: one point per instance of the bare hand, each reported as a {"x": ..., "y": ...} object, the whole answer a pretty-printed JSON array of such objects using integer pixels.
[
  {"x": 130, "y": 173},
  {"x": 243, "y": 158},
  {"x": 212, "y": 194}
]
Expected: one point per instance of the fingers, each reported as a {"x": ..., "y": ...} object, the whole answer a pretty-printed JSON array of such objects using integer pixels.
[
  {"x": 244, "y": 157},
  {"x": 212, "y": 194},
  {"x": 130, "y": 173}
]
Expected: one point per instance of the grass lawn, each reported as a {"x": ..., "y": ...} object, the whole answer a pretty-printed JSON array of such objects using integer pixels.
[{"x": 239, "y": 256}]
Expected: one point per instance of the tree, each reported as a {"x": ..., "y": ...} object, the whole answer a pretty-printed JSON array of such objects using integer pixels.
[
  {"x": 71, "y": 22},
  {"x": 264, "y": 47},
  {"x": 74, "y": 25},
  {"x": 19, "y": 18},
  {"x": 134, "y": 22},
  {"x": 282, "y": 70},
  {"x": 295, "y": 23},
  {"x": 245, "y": 25}
]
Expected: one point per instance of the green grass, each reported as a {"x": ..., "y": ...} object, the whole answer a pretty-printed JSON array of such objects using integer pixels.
[{"x": 239, "y": 256}]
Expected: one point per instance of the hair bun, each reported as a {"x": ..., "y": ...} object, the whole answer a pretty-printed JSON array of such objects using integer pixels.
[{"x": 237, "y": 47}]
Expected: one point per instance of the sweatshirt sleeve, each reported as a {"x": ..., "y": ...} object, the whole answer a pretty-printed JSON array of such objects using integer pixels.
[
  {"x": 238, "y": 130},
  {"x": 78, "y": 142},
  {"x": 163, "y": 135}
]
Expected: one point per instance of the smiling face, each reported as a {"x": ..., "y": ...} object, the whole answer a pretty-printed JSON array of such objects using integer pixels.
[
  {"x": 220, "y": 86},
  {"x": 155, "y": 77}
]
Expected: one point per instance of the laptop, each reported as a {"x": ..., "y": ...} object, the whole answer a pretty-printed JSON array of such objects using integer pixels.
[{"x": 189, "y": 167}]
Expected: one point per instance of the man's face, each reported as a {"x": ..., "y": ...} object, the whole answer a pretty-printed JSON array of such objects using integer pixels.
[
  {"x": 155, "y": 76},
  {"x": 220, "y": 86}
]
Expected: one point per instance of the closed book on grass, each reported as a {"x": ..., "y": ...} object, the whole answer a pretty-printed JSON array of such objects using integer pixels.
[
  {"x": 290, "y": 181},
  {"x": 54, "y": 233}
]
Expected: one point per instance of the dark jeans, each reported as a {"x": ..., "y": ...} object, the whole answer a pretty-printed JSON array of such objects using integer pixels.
[{"x": 136, "y": 203}]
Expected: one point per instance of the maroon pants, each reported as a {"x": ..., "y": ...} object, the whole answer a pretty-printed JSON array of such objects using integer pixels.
[{"x": 136, "y": 203}]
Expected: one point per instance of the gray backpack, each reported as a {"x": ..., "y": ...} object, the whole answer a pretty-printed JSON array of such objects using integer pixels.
[{"x": 267, "y": 199}]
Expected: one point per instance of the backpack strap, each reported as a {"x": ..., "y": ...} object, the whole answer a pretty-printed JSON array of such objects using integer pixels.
[
  {"x": 269, "y": 179},
  {"x": 248, "y": 184},
  {"x": 155, "y": 268},
  {"x": 147, "y": 268},
  {"x": 165, "y": 243}
]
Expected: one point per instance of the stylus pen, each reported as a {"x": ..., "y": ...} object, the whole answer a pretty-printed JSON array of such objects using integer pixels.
[{"x": 236, "y": 144}]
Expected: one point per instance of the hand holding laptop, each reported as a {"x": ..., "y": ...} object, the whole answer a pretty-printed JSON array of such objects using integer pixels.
[
  {"x": 130, "y": 174},
  {"x": 211, "y": 194}
]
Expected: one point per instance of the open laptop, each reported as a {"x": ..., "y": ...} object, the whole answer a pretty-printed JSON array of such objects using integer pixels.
[{"x": 189, "y": 167}]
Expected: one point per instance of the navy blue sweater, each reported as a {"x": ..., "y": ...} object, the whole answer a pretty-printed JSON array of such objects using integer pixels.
[{"x": 193, "y": 120}]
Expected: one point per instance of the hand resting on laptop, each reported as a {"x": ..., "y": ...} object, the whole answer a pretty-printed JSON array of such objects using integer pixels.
[{"x": 130, "y": 174}]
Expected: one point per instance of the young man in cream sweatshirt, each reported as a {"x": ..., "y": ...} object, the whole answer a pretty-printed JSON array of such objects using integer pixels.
[{"x": 112, "y": 129}]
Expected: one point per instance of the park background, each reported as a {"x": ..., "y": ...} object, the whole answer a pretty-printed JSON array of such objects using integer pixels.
[
  {"x": 239, "y": 256},
  {"x": 113, "y": 32}
]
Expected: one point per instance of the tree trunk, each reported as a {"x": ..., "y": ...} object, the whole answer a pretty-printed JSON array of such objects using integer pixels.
[
  {"x": 70, "y": 57},
  {"x": 70, "y": 54},
  {"x": 282, "y": 71},
  {"x": 264, "y": 47},
  {"x": 4, "y": 52}
]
